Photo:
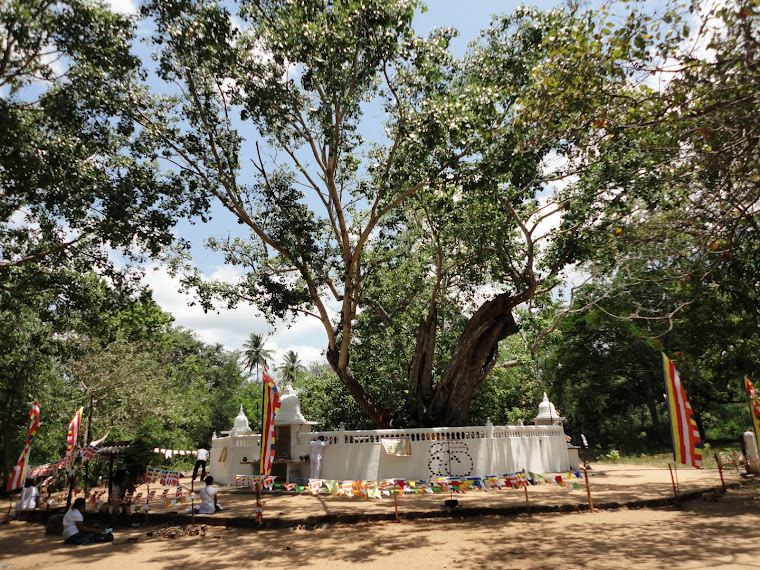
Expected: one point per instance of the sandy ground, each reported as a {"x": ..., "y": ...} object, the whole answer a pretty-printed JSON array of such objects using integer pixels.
[{"x": 709, "y": 532}]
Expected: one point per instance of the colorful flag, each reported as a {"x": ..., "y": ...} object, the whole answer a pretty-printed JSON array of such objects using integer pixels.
[
  {"x": 270, "y": 408},
  {"x": 754, "y": 406},
  {"x": 89, "y": 452},
  {"x": 97, "y": 442},
  {"x": 73, "y": 433},
  {"x": 687, "y": 443},
  {"x": 18, "y": 476}
]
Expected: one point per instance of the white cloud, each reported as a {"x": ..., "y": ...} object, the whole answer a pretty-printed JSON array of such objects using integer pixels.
[
  {"x": 123, "y": 6},
  {"x": 231, "y": 327}
]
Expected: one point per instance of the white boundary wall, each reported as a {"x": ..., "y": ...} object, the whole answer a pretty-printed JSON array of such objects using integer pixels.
[{"x": 435, "y": 452}]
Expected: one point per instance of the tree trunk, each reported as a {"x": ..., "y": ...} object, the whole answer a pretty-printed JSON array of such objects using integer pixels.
[
  {"x": 378, "y": 415},
  {"x": 652, "y": 405},
  {"x": 9, "y": 405},
  {"x": 421, "y": 369},
  {"x": 474, "y": 357}
]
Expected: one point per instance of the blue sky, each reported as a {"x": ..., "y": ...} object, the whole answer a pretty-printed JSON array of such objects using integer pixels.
[{"x": 306, "y": 336}]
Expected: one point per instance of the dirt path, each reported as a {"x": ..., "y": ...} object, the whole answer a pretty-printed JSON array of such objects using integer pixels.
[{"x": 704, "y": 533}]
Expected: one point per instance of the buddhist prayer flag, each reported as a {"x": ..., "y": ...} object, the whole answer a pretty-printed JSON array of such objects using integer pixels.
[
  {"x": 754, "y": 406},
  {"x": 18, "y": 476},
  {"x": 270, "y": 408},
  {"x": 687, "y": 443},
  {"x": 73, "y": 433}
]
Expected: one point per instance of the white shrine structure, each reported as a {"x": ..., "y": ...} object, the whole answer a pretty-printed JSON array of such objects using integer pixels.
[{"x": 375, "y": 455}]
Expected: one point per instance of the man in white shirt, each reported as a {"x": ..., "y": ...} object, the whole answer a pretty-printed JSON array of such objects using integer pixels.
[
  {"x": 208, "y": 504},
  {"x": 317, "y": 449},
  {"x": 200, "y": 461}
]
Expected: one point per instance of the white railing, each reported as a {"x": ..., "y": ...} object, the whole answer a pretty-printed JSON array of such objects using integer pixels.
[
  {"x": 432, "y": 434},
  {"x": 244, "y": 440}
]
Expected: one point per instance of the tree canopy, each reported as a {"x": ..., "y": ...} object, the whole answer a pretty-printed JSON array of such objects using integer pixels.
[{"x": 438, "y": 215}]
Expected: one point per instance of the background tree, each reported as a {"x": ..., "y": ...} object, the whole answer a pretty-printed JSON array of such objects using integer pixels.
[
  {"x": 321, "y": 193},
  {"x": 254, "y": 354},
  {"x": 291, "y": 368},
  {"x": 135, "y": 375}
]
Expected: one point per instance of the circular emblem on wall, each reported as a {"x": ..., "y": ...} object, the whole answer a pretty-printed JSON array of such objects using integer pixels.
[{"x": 450, "y": 459}]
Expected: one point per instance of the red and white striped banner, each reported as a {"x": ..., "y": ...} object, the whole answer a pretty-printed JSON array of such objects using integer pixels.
[{"x": 18, "y": 476}]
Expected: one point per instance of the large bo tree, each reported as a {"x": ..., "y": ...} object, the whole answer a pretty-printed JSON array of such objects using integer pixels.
[
  {"x": 465, "y": 163},
  {"x": 303, "y": 74}
]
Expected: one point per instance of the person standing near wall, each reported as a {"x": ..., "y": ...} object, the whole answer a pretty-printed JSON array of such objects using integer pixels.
[
  {"x": 200, "y": 461},
  {"x": 317, "y": 450}
]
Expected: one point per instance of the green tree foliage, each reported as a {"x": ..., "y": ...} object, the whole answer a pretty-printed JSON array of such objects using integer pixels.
[
  {"x": 28, "y": 372},
  {"x": 605, "y": 372},
  {"x": 677, "y": 157},
  {"x": 605, "y": 376},
  {"x": 291, "y": 368},
  {"x": 299, "y": 73},
  {"x": 75, "y": 182},
  {"x": 325, "y": 400},
  {"x": 303, "y": 73},
  {"x": 136, "y": 377}
]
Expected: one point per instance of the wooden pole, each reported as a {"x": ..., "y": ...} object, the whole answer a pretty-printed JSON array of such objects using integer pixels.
[
  {"x": 588, "y": 491},
  {"x": 720, "y": 470},
  {"x": 395, "y": 506},
  {"x": 675, "y": 472},
  {"x": 673, "y": 481},
  {"x": 147, "y": 501},
  {"x": 259, "y": 510},
  {"x": 87, "y": 435}
]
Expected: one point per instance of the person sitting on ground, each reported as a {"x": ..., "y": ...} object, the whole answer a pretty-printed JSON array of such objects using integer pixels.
[
  {"x": 74, "y": 531},
  {"x": 29, "y": 498},
  {"x": 208, "y": 504}
]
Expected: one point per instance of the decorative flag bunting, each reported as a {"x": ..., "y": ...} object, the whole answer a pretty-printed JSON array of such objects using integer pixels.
[
  {"x": 162, "y": 476},
  {"x": 256, "y": 481},
  {"x": 270, "y": 408},
  {"x": 687, "y": 443},
  {"x": 18, "y": 476},
  {"x": 378, "y": 489},
  {"x": 73, "y": 433},
  {"x": 754, "y": 406},
  {"x": 89, "y": 452},
  {"x": 168, "y": 453},
  {"x": 86, "y": 454}
]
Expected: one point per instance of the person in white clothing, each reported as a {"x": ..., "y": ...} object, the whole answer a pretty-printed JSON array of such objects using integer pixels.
[
  {"x": 28, "y": 500},
  {"x": 317, "y": 450},
  {"x": 74, "y": 531},
  {"x": 200, "y": 461},
  {"x": 209, "y": 504}
]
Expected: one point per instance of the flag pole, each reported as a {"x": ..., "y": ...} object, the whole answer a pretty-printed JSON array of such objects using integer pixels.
[
  {"x": 673, "y": 481},
  {"x": 259, "y": 513},
  {"x": 752, "y": 403},
  {"x": 588, "y": 490},
  {"x": 720, "y": 471}
]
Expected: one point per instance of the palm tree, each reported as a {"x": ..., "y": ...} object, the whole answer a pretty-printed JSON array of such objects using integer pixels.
[
  {"x": 291, "y": 367},
  {"x": 255, "y": 353}
]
